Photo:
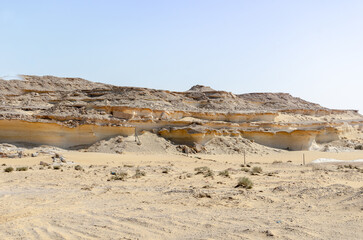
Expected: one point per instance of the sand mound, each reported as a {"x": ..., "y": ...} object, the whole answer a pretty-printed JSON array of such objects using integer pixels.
[
  {"x": 152, "y": 143},
  {"x": 234, "y": 145},
  {"x": 149, "y": 143}
]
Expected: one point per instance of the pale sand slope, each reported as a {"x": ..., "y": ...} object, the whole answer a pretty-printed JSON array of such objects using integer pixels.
[{"x": 295, "y": 202}]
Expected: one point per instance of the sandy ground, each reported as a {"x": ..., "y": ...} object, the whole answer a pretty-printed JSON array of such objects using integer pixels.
[{"x": 288, "y": 200}]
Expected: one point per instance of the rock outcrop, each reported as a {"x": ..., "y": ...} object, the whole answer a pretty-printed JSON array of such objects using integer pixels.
[{"x": 68, "y": 112}]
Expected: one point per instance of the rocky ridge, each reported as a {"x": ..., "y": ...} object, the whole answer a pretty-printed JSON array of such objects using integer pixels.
[{"x": 68, "y": 112}]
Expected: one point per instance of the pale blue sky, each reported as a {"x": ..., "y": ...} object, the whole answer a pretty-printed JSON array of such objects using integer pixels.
[{"x": 311, "y": 49}]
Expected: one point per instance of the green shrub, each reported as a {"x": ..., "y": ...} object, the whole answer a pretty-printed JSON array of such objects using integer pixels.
[
  {"x": 244, "y": 183},
  {"x": 9, "y": 169}
]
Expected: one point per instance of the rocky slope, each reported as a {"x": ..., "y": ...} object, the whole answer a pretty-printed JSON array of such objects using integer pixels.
[{"x": 71, "y": 112}]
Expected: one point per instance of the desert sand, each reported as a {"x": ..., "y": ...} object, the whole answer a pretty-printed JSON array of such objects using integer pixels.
[
  {"x": 288, "y": 200},
  {"x": 84, "y": 160}
]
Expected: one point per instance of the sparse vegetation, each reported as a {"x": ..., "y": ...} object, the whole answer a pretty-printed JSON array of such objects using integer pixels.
[
  {"x": 206, "y": 171},
  {"x": 9, "y": 169},
  {"x": 21, "y": 169},
  {"x": 202, "y": 195},
  {"x": 128, "y": 165},
  {"x": 78, "y": 168},
  {"x": 209, "y": 173},
  {"x": 244, "y": 169},
  {"x": 276, "y": 162},
  {"x": 224, "y": 173},
  {"x": 256, "y": 170},
  {"x": 244, "y": 182},
  {"x": 139, "y": 173},
  {"x": 119, "y": 176},
  {"x": 201, "y": 170},
  {"x": 317, "y": 167}
]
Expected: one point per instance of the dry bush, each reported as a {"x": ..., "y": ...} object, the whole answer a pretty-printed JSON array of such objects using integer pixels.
[
  {"x": 224, "y": 173},
  {"x": 318, "y": 167},
  {"x": 209, "y": 173},
  {"x": 139, "y": 173},
  {"x": 78, "y": 168},
  {"x": 9, "y": 169},
  {"x": 202, "y": 195},
  {"x": 244, "y": 182},
  {"x": 206, "y": 171},
  {"x": 256, "y": 170},
  {"x": 122, "y": 176},
  {"x": 21, "y": 169},
  {"x": 201, "y": 170},
  {"x": 244, "y": 169}
]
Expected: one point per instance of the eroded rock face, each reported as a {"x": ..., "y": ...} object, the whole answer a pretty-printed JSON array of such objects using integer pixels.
[{"x": 66, "y": 112}]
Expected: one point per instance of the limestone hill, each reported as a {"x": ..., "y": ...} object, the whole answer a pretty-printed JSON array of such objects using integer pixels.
[{"x": 71, "y": 112}]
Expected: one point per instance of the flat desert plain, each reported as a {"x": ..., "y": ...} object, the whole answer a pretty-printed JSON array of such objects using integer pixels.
[{"x": 171, "y": 196}]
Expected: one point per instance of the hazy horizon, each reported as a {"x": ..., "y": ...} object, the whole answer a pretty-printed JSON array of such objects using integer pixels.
[{"x": 310, "y": 49}]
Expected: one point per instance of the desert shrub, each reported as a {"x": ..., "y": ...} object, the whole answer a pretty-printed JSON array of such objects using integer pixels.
[
  {"x": 350, "y": 166},
  {"x": 21, "y": 168},
  {"x": 318, "y": 167},
  {"x": 256, "y": 170},
  {"x": 119, "y": 176},
  {"x": 9, "y": 169},
  {"x": 78, "y": 168},
  {"x": 244, "y": 169},
  {"x": 276, "y": 162},
  {"x": 128, "y": 165},
  {"x": 56, "y": 167},
  {"x": 206, "y": 171},
  {"x": 224, "y": 173},
  {"x": 201, "y": 170},
  {"x": 202, "y": 195},
  {"x": 209, "y": 173},
  {"x": 244, "y": 183},
  {"x": 139, "y": 173}
]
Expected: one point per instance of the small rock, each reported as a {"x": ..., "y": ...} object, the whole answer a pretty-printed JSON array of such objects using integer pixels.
[
  {"x": 43, "y": 163},
  {"x": 269, "y": 233}
]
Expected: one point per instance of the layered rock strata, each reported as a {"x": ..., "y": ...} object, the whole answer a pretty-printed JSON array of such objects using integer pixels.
[{"x": 69, "y": 112}]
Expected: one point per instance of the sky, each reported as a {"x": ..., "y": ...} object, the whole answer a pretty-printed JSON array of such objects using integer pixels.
[{"x": 312, "y": 49}]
